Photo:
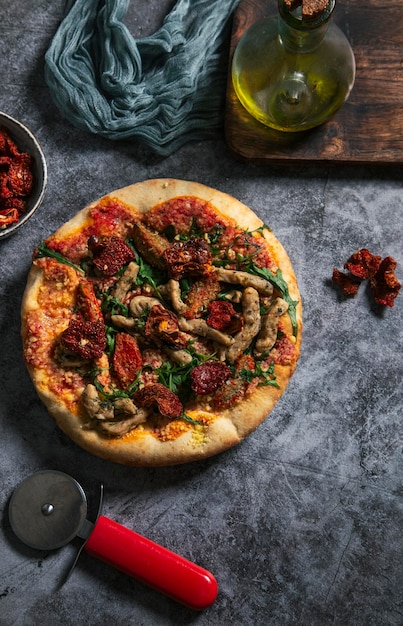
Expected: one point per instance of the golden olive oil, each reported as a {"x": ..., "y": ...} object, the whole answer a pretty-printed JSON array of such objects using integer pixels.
[{"x": 290, "y": 77}]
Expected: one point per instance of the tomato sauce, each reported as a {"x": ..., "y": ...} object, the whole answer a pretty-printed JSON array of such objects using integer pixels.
[{"x": 182, "y": 212}]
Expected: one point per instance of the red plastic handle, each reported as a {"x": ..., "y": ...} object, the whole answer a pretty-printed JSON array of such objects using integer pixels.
[{"x": 152, "y": 564}]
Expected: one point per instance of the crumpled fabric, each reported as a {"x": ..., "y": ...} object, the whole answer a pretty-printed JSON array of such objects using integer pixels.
[{"x": 163, "y": 90}]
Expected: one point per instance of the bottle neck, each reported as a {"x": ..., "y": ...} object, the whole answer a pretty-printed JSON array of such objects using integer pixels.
[{"x": 300, "y": 33}]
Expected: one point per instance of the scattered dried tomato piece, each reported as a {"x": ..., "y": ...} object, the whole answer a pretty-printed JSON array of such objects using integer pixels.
[
  {"x": 222, "y": 316},
  {"x": 188, "y": 258},
  {"x": 109, "y": 254},
  {"x": 127, "y": 359},
  {"x": 348, "y": 284},
  {"x": 384, "y": 285},
  {"x": 208, "y": 377},
  {"x": 380, "y": 272},
  {"x": 166, "y": 401},
  {"x": 87, "y": 339},
  {"x": 363, "y": 264},
  {"x": 162, "y": 326}
]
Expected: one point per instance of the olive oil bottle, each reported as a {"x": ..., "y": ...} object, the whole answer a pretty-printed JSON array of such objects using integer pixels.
[{"x": 293, "y": 72}]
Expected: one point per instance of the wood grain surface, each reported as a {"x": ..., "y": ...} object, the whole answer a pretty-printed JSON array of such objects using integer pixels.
[{"x": 369, "y": 126}]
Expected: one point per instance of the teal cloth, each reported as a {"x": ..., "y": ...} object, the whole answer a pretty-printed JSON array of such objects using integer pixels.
[{"x": 163, "y": 90}]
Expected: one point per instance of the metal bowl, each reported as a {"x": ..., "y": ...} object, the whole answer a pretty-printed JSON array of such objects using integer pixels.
[{"x": 26, "y": 142}]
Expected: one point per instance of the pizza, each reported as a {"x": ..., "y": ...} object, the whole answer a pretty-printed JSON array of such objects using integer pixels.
[{"x": 161, "y": 324}]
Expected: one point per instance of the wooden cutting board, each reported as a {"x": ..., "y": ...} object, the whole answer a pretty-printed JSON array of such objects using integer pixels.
[{"x": 369, "y": 126}]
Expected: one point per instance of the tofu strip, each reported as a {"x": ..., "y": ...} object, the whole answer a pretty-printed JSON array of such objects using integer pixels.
[
  {"x": 251, "y": 315},
  {"x": 125, "y": 282},
  {"x": 268, "y": 331},
  {"x": 201, "y": 328},
  {"x": 236, "y": 277}
]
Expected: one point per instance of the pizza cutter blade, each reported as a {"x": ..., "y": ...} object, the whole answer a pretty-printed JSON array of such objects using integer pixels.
[{"x": 49, "y": 509}]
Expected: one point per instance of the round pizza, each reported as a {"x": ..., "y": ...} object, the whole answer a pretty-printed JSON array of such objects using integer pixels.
[{"x": 161, "y": 324}]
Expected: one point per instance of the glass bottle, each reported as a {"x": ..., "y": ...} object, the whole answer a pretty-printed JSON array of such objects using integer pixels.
[{"x": 292, "y": 72}]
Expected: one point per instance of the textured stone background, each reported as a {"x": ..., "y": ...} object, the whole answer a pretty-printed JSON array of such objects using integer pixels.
[{"x": 301, "y": 523}]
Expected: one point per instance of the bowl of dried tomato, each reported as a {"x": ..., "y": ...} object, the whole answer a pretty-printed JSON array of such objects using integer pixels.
[{"x": 23, "y": 175}]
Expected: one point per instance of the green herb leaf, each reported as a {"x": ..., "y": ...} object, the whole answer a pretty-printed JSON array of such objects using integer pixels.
[
  {"x": 177, "y": 377},
  {"x": 147, "y": 273},
  {"x": 110, "y": 340},
  {"x": 111, "y": 305},
  {"x": 267, "y": 376},
  {"x": 261, "y": 229},
  {"x": 115, "y": 393}
]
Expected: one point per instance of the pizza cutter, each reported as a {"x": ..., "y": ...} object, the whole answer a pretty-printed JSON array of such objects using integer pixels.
[{"x": 49, "y": 509}]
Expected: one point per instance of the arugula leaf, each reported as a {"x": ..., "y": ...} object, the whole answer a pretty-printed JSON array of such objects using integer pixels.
[
  {"x": 185, "y": 285},
  {"x": 115, "y": 393},
  {"x": 147, "y": 273},
  {"x": 43, "y": 251},
  {"x": 177, "y": 377},
  {"x": 112, "y": 305},
  {"x": 267, "y": 376},
  {"x": 215, "y": 234},
  {"x": 261, "y": 229},
  {"x": 110, "y": 339}
]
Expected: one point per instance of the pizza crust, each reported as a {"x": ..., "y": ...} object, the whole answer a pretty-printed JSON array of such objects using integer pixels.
[{"x": 226, "y": 428}]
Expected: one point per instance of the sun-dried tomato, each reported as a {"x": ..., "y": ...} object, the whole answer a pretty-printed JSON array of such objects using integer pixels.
[
  {"x": 384, "y": 285},
  {"x": 127, "y": 359},
  {"x": 348, "y": 284},
  {"x": 109, "y": 254},
  {"x": 162, "y": 326},
  {"x": 16, "y": 180},
  {"x": 8, "y": 216},
  {"x": 222, "y": 316},
  {"x": 363, "y": 264},
  {"x": 5, "y": 191},
  {"x": 165, "y": 400},
  {"x": 7, "y": 145},
  {"x": 20, "y": 179},
  {"x": 87, "y": 303},
  {"x": 201, "y": 292},
  {"x": 87, "y": 339},
  {"x": 14, "y": 203},
  {"x": 208, "y": 377},
  {"x": 188, "y": 258},
  {"x": 381, "y": 274}
]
